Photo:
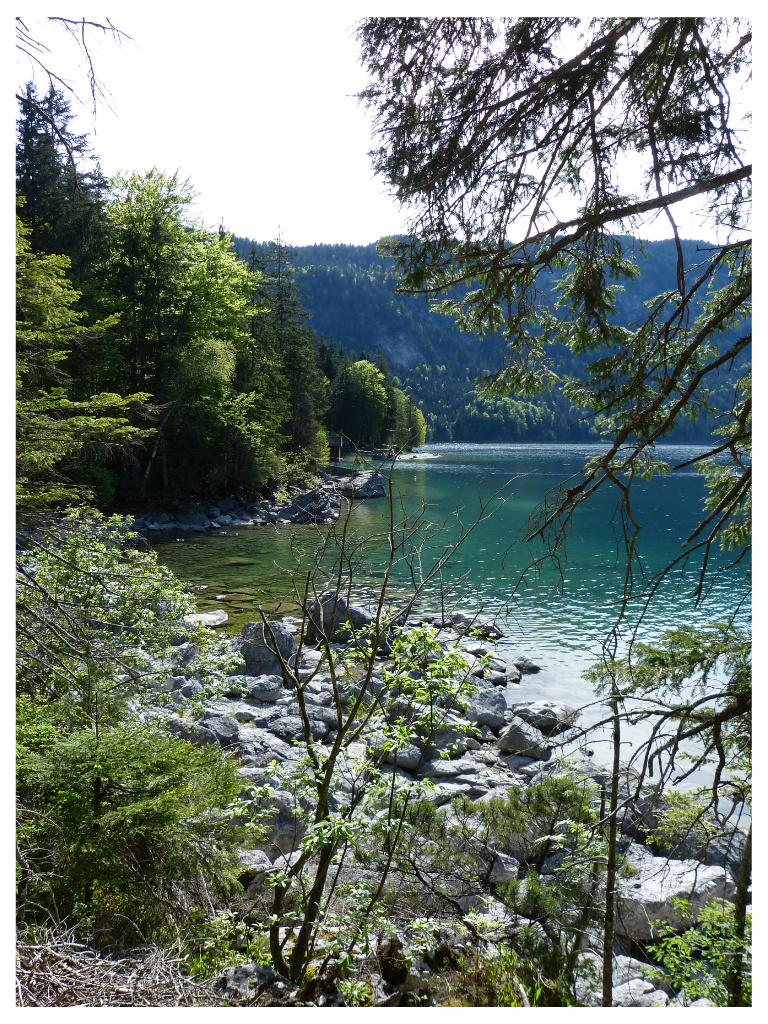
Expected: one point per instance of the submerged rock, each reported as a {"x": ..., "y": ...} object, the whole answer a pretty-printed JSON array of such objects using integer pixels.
[
  {"x": 217, "y": 618},
  {"x": 465, "y": 623}
]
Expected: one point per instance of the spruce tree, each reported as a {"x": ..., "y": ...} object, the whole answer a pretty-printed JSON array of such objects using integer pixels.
[{"x": 283, "y": 329}]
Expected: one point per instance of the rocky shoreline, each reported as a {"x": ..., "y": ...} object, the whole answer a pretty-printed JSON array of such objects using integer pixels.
[
  {"x": 320, "y": 504},
  {"x": 256, "y": 719}
]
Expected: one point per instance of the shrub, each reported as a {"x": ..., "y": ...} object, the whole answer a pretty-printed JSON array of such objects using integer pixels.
[{"x": 113, "y": 823}]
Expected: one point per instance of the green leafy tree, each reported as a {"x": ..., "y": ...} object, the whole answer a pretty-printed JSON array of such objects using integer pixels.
[
  {"x": 366, "y": 406},
  {"x": 186, "y": 307},
  {"x": 358, "y": 403},
  {"x": 701, "y": 960}
]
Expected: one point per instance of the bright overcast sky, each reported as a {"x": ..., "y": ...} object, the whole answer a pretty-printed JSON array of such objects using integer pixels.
[{"x": 254, "y": 104}]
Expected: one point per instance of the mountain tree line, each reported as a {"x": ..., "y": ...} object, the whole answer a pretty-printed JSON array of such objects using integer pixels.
[{"x": 353, "y": 296}]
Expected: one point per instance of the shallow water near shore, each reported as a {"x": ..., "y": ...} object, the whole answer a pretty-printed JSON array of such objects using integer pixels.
[{"x": 558, "y": 615}]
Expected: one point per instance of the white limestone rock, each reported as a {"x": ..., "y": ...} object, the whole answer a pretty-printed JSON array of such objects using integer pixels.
[{"x": 647, "y": 898}]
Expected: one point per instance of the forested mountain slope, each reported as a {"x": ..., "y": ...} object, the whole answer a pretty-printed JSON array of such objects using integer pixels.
[{"x": 350, "y": 293}]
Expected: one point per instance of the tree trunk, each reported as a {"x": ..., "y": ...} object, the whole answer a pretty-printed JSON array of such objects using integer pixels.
[
  {"x": 734, "y": 979},
  {"x": 154, "y": 450},
  {"x": 610, "y": 870}
]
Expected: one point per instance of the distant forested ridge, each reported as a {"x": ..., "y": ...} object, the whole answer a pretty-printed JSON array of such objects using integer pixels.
[{"x": 349, "y": 292}]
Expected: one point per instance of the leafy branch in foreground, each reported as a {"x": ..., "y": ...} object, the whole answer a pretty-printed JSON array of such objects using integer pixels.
[
  {"x": 695, "y": 687},
  {"x": 701, "y": 960},
  {"x": 491, "y": 131},
  {"x": 405, "y": 712}
]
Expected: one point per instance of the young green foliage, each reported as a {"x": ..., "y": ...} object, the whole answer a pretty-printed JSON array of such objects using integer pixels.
[
  {"x": 699, "y": 960},
  {"x": 54, "y": 432}
]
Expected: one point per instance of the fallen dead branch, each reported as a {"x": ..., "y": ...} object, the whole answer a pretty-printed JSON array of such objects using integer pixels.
[{"x": 60, "y": 971}]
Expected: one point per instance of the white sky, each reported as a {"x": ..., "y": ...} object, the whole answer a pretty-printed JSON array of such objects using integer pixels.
[{"x": 254, "y": 104}]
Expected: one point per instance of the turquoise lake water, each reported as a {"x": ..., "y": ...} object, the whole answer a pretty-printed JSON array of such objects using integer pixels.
[{"x": 556, "y": 616}]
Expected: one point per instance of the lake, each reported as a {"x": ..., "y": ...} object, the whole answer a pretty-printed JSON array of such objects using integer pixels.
[{"x": 557, "y": 616}]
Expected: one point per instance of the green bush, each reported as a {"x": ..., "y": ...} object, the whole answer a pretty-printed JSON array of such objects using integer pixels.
[{"x": 112, "y": 823}]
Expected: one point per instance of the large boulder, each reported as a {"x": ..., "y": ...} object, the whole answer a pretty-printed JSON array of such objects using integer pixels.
[
  {"x": 407, "y": 756},
  {"x": 265, "y": 688},
  {"x": 503, "y": 868},
  {"x": 521, "y": 738},
  {"x": 548, "y": 716},
  {"x": 524, "y": 665},
  {"x": 359, "y": 617},
  {"x": 442, "y": 768},
  {"x": 255, "y": 714},
  {"x": 260, "y": 643},
  {"x": 330, "y": 617},
  {"x": 364, "y": 485},
  {"x": 242, "y": 984},
  {"x": 225, "y": 729},
  {"x": 308, "y": 663},
  {"x": 252, "y": 868},
  {"x": 631, "y": 986},
  {"x": 327, "y": 618},
  {"x": 312, "y": 506},
  {"x": 179, "y": 659},
  {"x": 264, "y": 747},
  {"x": 648, "y": 896},
  {"x": 487, "y": 707},
  {"x": 281, "y": 820},
  {"x": 261, "y": 691},
  {"x": 725, "y": 850}
]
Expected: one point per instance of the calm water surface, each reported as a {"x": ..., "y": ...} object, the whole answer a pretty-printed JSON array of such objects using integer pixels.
[{"x": 558, "y": 616}]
